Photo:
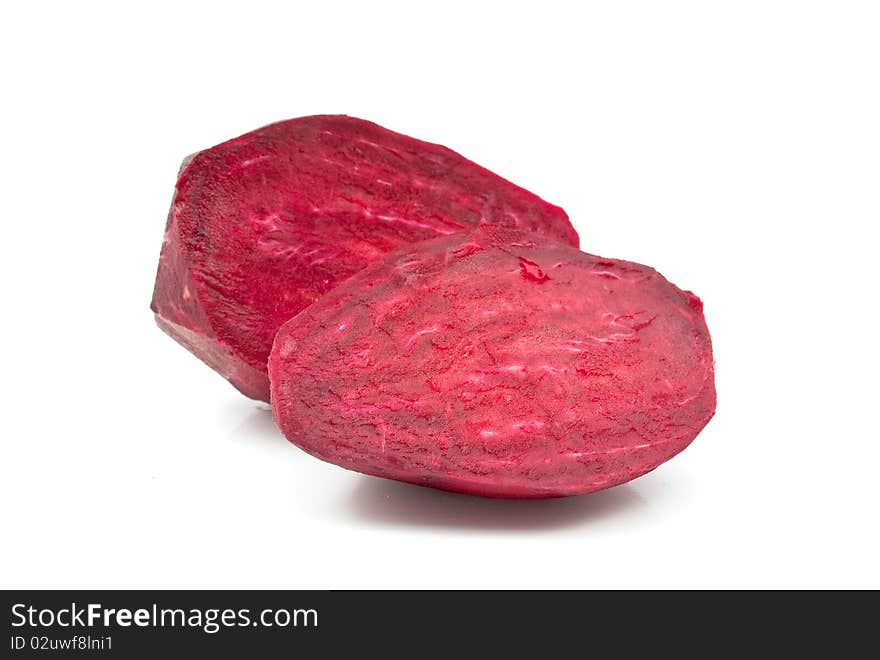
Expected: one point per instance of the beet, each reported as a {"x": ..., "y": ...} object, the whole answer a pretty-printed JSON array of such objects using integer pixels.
[
  {"x": 265, "y": 224},
  {"x": 497, "y": 363}
]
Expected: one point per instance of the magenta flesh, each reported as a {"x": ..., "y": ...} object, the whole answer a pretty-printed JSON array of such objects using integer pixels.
[
  {"x": 265, "y": 224},
  {"x": 497, "y": 363}
]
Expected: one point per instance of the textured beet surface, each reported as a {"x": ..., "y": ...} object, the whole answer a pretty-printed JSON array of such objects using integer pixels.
[
  {"x": 265, "y": 224},
  {"x": 497, "y": 363}
]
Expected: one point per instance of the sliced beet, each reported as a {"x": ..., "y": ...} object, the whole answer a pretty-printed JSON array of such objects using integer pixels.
[
  {"x": 496, "y": 363},
  {"x": 265, "y": 224}
]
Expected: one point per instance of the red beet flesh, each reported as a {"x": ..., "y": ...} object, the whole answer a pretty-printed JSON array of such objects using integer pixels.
[
  {"x": 265, "y": 224},
  {"x": 497, "y": 363}
]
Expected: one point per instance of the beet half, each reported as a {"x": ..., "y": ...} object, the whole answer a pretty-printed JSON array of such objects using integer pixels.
[
  {"x": 263, "y": 225},
  {"x": 497, "y": 363}
]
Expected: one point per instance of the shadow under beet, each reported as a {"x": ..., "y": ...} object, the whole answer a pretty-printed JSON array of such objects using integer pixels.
[
  {"x": 385, "y": 502},
  {"x": 258, "y": 427},
  {"x": 394, "y": 503}
]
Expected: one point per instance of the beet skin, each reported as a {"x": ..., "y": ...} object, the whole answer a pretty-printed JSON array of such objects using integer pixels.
[
  {"x": 265, "y": 224},
  {"x": 497, "y": 363}
]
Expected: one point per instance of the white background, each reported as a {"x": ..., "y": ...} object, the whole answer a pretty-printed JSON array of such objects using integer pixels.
[{"x": 735, "y": 146}]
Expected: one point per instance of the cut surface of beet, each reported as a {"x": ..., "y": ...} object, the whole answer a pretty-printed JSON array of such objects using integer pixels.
[
  {"x": 263, "y": 225},
  {"x": 498, "y": 363}
]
